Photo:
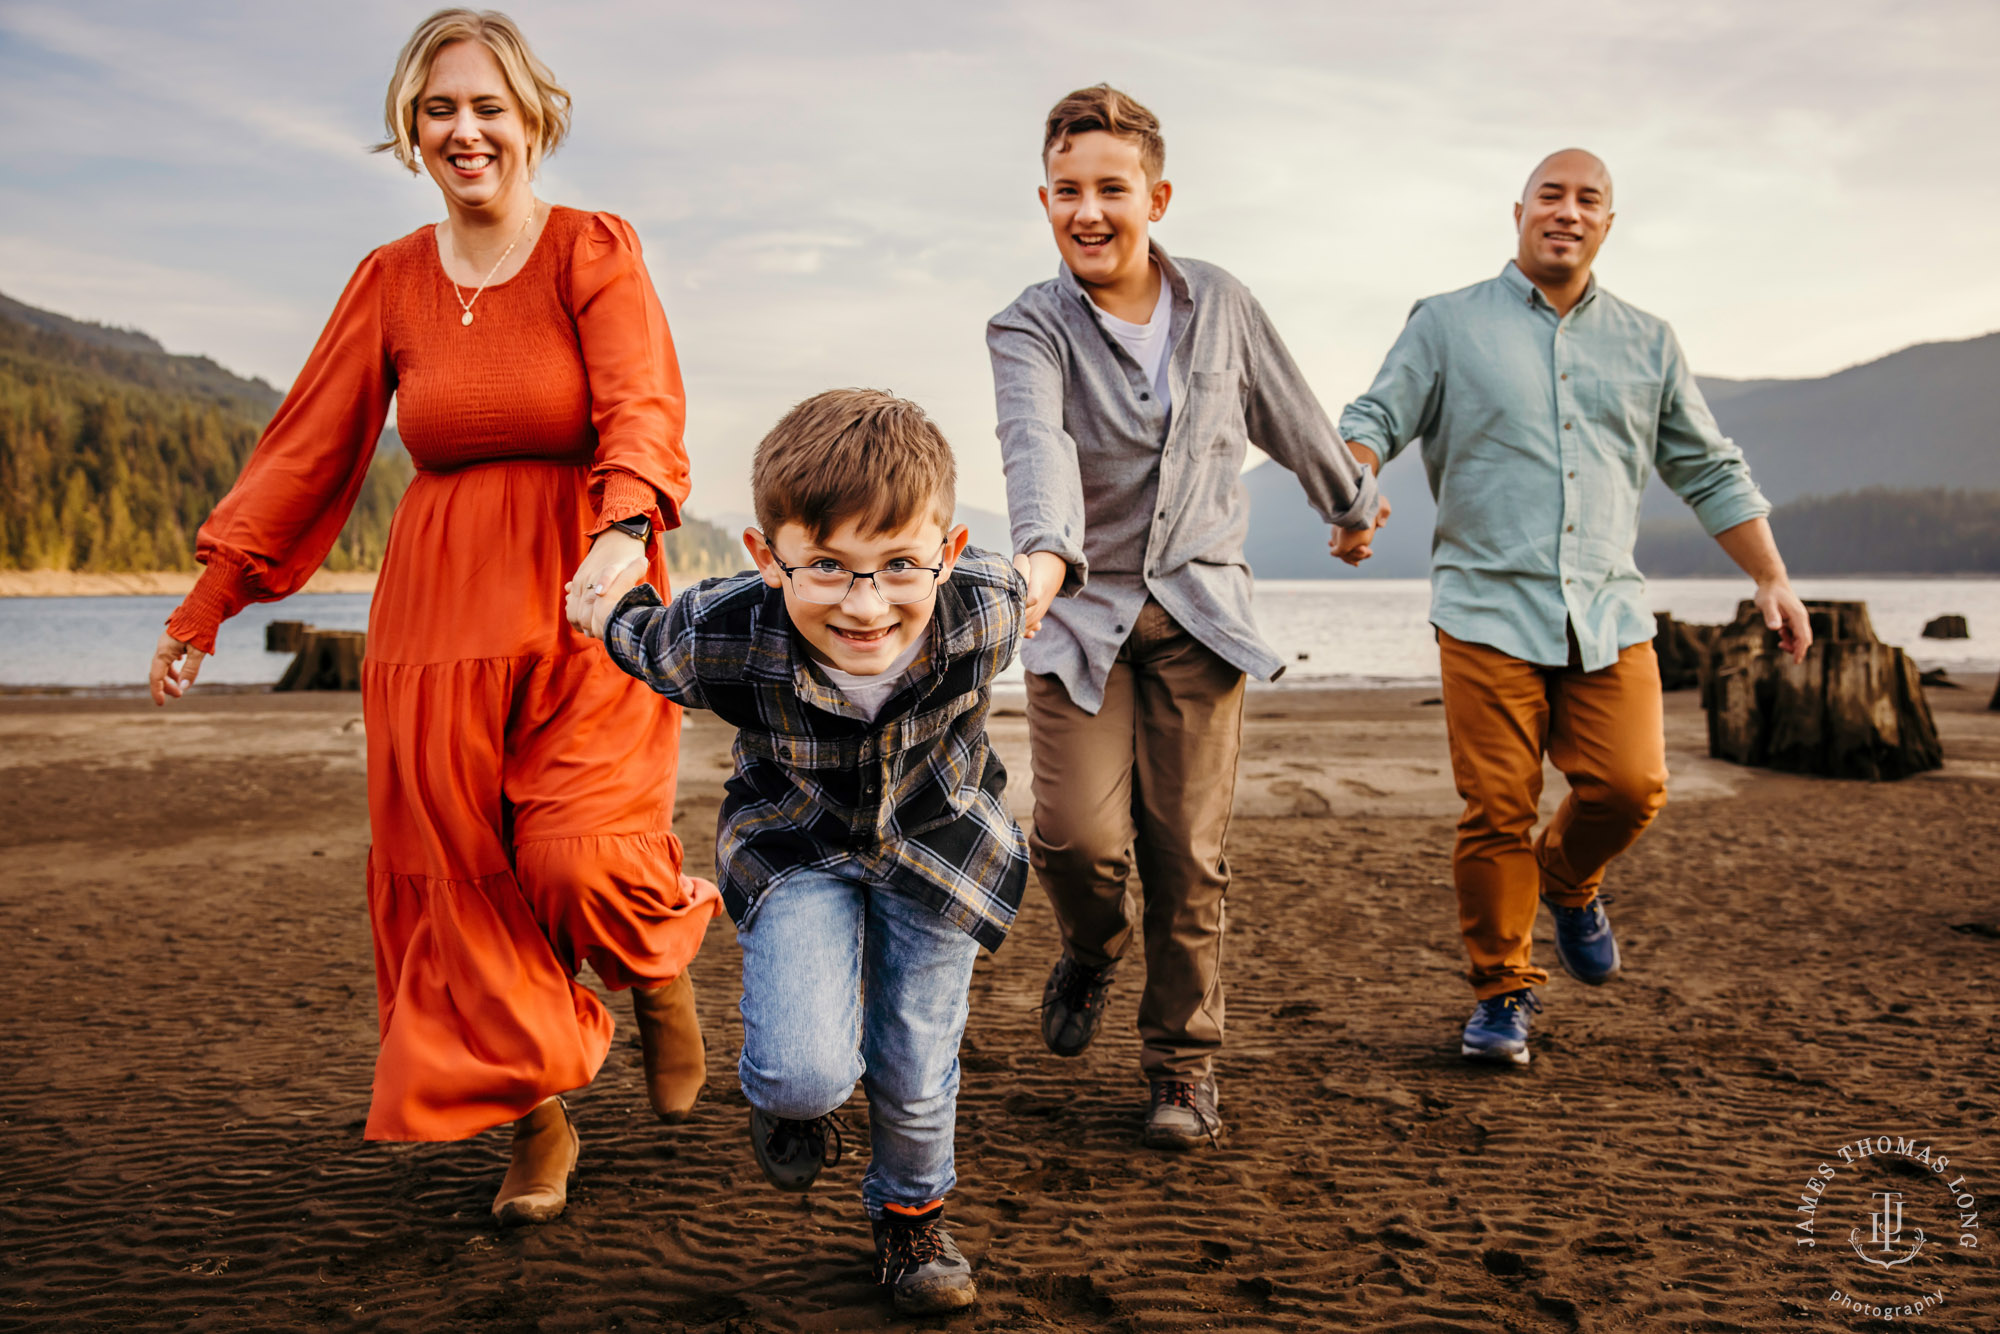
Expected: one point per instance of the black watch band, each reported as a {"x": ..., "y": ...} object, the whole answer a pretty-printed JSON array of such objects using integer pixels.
[{"x": 638, "y": 526}]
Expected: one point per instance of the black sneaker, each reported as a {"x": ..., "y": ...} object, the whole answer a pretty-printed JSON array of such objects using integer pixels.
[
  {"x": 1182, "y": 1113},
  {"x": 1073, "y": 1005},
  {"x": 916, "y": 1259},
  {"x": 792, "y": 1152}
]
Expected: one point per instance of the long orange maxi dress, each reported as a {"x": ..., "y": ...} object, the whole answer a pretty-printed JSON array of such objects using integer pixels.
[{"x": 520, "y": 787}]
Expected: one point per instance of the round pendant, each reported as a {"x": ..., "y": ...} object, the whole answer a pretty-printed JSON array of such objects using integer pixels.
[{"x": 465, "y": 318}]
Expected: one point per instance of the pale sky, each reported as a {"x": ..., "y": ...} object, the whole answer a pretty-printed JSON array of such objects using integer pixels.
[{"x": 842, "y": 193}]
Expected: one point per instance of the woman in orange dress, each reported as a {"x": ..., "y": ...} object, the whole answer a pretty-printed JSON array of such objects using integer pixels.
[{"x": 520, "y": 787}]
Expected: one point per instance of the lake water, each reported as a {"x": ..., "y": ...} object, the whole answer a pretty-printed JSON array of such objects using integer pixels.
[{"x": 1329, "y": 632}]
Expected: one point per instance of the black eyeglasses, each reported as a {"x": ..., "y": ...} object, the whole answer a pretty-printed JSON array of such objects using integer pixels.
[{"x": 827, "y": 582}]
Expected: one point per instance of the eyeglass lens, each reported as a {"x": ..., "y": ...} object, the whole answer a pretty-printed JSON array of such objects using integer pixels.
[{"x": 829, "y": 584}]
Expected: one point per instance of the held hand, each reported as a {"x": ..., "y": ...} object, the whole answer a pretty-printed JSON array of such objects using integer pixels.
[
  {"x": 608, "y": 558},
  {"x": 174, "y": 667},
  {"x": 1355, "y": 545},
  {"x": 615, "y": 589},
  {"x": 1045, "y": 572},
  {"x": 1783, "y": 612}
]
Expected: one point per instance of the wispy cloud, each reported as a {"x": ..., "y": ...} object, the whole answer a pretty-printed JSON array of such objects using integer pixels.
[
  {"x": 843, "y": 193},
  {"x": 179, "y": 75}
]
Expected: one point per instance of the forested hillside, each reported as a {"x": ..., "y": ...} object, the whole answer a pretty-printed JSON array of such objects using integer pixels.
[{"x": 113, "y": 450}]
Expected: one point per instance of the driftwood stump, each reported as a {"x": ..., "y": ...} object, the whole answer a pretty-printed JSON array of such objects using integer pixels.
[
  {"x": 1946, "y": 627},
  {"x": 1682, "y": 650},
  {"x": 284, "y": 636},
  {"x": 328, "y": 660},
  {"x": 1853, "y": 709}
]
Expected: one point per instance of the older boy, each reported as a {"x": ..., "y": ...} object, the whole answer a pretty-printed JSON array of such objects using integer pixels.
[
  {"x": 864, "y": 850},
  {"x": 1129, "y": 387}
]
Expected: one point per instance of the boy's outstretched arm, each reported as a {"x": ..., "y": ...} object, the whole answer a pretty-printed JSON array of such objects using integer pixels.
[
  {"x": 654, "y": 642},
  {"x": 1287, "y": 422},
  {"x": 1044, "y": 484}
]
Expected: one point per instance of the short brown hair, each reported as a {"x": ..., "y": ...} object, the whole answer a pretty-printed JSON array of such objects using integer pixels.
[
  {"x": 544, "y": 103},
  {"x": 853, "y": 454},
  {"x": 1102, "y": 107}
]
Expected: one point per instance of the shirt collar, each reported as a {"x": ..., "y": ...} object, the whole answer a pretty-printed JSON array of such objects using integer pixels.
[
  {"x": 1175, "y": 279},
  {"x": 1519, "y": 283}
]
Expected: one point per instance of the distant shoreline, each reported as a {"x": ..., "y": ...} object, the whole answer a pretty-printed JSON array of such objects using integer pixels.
[
  {"x": 175, "y": 583},
  {"x": 165, "y": 583}
]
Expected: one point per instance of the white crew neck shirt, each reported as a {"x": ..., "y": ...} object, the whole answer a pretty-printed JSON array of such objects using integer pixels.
[
  {"x": 1150, "y": 342},
  {"x": 870, "y": 693}
]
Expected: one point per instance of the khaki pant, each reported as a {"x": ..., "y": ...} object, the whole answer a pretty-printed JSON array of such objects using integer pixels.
[
  {"x": 1602, "y": 730},
  {"x": 1147, "y": 781}
]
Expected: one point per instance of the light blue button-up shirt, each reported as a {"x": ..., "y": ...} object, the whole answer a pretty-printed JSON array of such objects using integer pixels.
[{"x": 1539, "y": 434}]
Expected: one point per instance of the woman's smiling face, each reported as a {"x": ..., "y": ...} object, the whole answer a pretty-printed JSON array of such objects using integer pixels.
[{"x": 470, "y": 130}]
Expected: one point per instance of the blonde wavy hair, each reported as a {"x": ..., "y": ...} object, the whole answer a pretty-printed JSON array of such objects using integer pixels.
[{"x": 544, "y": 103}]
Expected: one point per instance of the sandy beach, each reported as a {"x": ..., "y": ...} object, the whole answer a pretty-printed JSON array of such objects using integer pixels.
[{"x": 192, "y": 1020}]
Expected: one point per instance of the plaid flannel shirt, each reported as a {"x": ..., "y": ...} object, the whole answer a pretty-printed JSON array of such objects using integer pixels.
[{"x": 912, "y": 801}]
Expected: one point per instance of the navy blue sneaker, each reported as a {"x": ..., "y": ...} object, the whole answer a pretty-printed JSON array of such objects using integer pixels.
[
  {"x": 1498, "y": 1029},
  {"x": 1585, "y": 946}
]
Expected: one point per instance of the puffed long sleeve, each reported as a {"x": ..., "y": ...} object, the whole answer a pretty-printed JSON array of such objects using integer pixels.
[
  {"x": 637, "y": 404},
  {"x": 270, "y": 533}
]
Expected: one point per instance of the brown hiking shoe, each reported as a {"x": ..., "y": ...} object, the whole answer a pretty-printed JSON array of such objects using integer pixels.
[
  {"x": 546, "y": 1147},
  {"x": 1073, "y": 1005},
  {"x": 916, "y": 1259},
  {"x": 1181, "y": 1113},
  {"x": 670, "y": 1038}
]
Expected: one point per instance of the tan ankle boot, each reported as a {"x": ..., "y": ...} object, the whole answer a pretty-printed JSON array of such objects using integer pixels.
[
  {"x": 670, "y": 1036},
  {"x": 546, "y": 1147}
]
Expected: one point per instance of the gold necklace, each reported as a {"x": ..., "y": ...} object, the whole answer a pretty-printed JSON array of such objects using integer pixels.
[{"x": 466, "y": 318}]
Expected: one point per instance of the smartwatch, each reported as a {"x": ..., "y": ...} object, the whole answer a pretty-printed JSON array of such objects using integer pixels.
[{"x": 638, "y": 526}]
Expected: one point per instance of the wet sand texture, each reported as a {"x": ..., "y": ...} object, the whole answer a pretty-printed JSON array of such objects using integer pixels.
[{"x": 191, "y": 1026}]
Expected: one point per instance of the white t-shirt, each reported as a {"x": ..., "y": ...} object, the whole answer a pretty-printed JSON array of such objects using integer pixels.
[
  {"x": 1150, "y": 342},
  {"x": 870, "y": 693}
]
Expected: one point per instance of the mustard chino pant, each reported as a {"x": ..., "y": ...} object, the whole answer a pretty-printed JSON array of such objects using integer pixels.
[{"x": 1602, "y": 730}]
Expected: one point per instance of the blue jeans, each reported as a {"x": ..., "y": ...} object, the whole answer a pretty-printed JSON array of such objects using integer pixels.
[{"x": 847, "y": 982}]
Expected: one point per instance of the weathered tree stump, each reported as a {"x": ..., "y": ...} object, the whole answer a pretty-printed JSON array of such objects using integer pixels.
[
  {"x": 1682, "y": 650},
  {"x": 284, "y": 636},
  {"x": 1853, "y": 709},
  {"x": 328, "y": 660},
  {"x": 1946, "y": 627}
]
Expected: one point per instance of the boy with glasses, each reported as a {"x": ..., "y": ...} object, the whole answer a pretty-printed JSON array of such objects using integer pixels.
[
  {"x": 864, "y": 850},
  {"x": 1129, "y": 386}
]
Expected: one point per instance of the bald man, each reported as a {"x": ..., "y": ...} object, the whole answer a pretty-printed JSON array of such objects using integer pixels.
[{"x": 1544, "y": 403}]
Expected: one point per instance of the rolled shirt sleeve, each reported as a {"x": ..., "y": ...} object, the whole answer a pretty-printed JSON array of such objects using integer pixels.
[
  {"x": 1402, "y": 404},
  {"x": 1694, "y": 458}
]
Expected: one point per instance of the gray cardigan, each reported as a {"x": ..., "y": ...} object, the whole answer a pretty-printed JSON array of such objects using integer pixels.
[{"x": 1141, "y": 499}]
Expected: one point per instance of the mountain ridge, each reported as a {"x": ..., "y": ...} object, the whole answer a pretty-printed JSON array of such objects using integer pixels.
[{"x": 1922, "y": 418}]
